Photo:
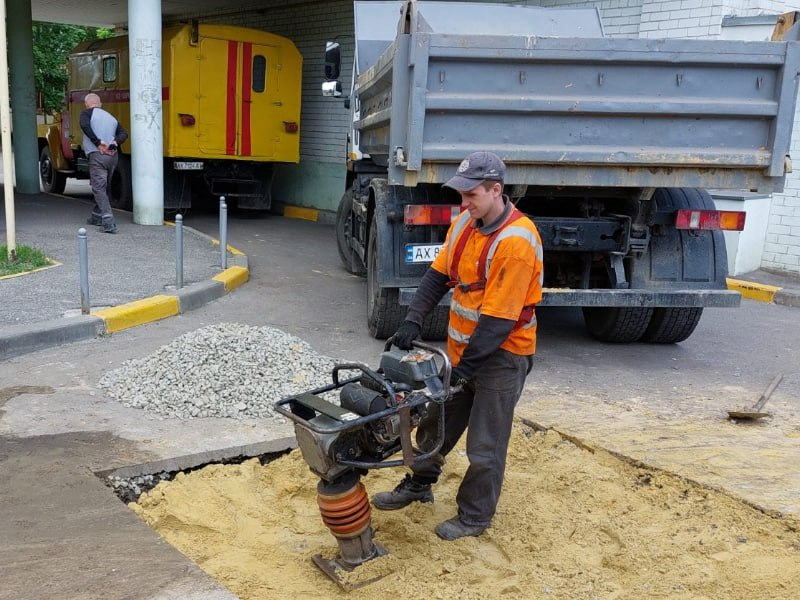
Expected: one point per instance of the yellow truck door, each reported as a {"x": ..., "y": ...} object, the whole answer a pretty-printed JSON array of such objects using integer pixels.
[
  {"x": 239, "y": 99},
  {"x": 262, "y": 128}
]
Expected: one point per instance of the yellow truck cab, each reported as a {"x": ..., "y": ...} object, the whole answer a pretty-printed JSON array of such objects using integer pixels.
[{"x": 231, "y": 108}]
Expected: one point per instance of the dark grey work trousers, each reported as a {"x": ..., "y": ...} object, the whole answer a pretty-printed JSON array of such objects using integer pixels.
[
  {"x": 485, "y": 408},
  {"x": 101, "y": 168}
]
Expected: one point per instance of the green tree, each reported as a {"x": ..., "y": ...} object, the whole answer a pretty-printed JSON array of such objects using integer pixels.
[{"x": 52, "y": 43}]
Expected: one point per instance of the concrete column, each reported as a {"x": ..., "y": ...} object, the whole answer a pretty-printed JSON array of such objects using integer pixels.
[
  {"x": 23, "y": 95},
  {"x": 147, "y": 140}
]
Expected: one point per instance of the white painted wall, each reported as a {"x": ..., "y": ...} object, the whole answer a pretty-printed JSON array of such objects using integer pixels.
[{"x": 745, "y": 248}]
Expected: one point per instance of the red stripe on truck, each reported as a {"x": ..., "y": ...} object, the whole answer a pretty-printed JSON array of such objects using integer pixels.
[
  {"x": 247, "y": 81},
  {"x": 230, "y": 121}
]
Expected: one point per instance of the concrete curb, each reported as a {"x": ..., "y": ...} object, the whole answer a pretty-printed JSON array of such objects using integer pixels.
[
  {"x": 17, "y": 340},
  {"x": 762, "y": 292},
  {"x": 22, "y": 339}
]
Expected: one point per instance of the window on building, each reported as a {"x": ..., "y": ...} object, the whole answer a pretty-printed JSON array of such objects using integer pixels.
[
  {"x": 259, "y": 73},
  {"x": 109, "y": 68}
]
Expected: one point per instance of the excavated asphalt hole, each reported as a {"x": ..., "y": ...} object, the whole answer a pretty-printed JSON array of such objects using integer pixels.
[
  {"x": 574, "y": 521},
  {"x": 129, "y": 489}
]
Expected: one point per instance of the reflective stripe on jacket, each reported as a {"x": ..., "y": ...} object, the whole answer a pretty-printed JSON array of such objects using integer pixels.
[{"x": 514, "y": 277}]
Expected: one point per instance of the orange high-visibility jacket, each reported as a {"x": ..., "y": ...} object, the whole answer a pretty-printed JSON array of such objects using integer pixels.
[{"x": 513, "y": 274}]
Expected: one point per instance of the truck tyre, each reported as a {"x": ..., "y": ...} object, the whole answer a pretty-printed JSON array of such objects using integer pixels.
[
  {"x": 672, "y": 325},
  {"x": 350, "y": 258},
  {"x": 434, "y": 327},
  {"x": 384, "y": 312},
  {"x": 121, "y": 188},
  {"x": 617, "y": 324},
  {"x": 53, "y": 182},
  {"x": 680, "y": 258}
]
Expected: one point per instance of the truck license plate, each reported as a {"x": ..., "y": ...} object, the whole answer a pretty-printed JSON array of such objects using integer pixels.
[
  {"x": 185, "y": 165},
  {"x": 422, "y": 253}
]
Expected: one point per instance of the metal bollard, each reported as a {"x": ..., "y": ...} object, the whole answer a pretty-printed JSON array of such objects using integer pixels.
[
  {"x": 223, "y": 233},
  {"x": 83, "y": 252},
  {"x": 178, "y": 251}
]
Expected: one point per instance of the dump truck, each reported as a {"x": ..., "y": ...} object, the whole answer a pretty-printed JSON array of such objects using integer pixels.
[
  {"x": 611, "y": 146},
  {"x": 231, "y": 110}
]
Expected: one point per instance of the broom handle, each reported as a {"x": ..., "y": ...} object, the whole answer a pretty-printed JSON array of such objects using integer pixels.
[{"x": 765, "y": 396}]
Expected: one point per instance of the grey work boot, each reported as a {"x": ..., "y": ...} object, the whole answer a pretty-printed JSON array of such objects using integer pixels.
[
  {"x": 406, "y": 492},
  {"x": 455, "y": 528}
]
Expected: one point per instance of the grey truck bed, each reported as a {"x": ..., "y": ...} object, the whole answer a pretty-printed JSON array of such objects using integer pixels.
[{"x": 564, "y": 106}]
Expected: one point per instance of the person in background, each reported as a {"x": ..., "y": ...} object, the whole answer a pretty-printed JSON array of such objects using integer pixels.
[
  {"x": 102, "y": 136},
  {"x": 492, "y": 258}
]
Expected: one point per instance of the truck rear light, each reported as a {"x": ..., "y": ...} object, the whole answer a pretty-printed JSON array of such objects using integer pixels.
[
  {"x": 728, "y": 220},
  {"x": 186, "y": 119},
  {"x": 290, "y": 126},
  {"x": 430, "y": 214}
]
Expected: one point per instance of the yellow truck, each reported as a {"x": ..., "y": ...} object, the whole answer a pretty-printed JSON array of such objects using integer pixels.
[{"x": 231, "y": 109}]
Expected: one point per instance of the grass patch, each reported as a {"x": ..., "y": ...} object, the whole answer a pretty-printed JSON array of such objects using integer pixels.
[{"x": 28, "y": 259}]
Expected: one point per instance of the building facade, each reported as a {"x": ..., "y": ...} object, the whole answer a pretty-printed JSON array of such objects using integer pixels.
[{"x": 318, "y": 181}]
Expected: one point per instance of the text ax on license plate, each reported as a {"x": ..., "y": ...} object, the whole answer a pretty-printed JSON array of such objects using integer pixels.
[
  {"x": 421, "y": 253},
  {"x": 188, "y": 165}
]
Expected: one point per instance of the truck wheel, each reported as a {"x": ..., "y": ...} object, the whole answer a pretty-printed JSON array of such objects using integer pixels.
[
  {"x": 384, "y": 312},
  {"x": 121, "y": 188},
  {"x": 434, "y": 327},
  {"x": 672, "y": 325},
  {"x": 618, "y": 324},
  {"x": 53, "y": 182},
  {"x": 350, "y": 259},
  {"x": 680, "y": 259}
]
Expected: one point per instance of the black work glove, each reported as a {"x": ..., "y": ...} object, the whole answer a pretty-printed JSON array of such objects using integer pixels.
[
  {"x": 407, "y": 333},
  {"x": 457, "y": 378}
]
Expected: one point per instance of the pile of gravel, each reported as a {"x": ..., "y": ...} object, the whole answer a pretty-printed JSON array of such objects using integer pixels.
[{"x": 225, "y": 370}]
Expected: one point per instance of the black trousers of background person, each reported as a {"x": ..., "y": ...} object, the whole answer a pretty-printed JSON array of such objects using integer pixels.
[{"x": 101, "y": 169}]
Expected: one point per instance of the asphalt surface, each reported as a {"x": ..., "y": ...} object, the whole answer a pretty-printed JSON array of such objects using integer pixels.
[
  {"x": 136, "y": 262},
  {"x": 65, "y": 535},
  {"x": 44, "y": 308},
  {"x": 139, "y": 263}
]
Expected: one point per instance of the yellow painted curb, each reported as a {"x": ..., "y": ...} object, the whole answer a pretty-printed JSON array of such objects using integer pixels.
[
  {"x": 233, "y": 277},
  {"x": 214, "y": 241},
  {"x": 139, "y": 312},
  {"x": 754, "y": 291},
  {"x": 230, "y": 248},
  {"x": 296, "y": 212}
]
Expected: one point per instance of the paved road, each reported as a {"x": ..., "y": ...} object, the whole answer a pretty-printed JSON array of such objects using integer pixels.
[{"x": 73, "y": 539}]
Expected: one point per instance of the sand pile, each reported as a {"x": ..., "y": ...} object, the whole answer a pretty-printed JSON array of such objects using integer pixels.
[{"x": 572, "y": 523}]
